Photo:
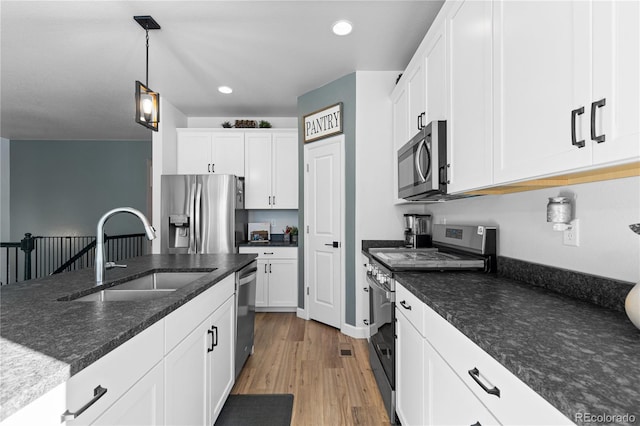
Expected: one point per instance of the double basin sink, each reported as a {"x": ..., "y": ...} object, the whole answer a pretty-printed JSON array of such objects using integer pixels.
[{"x": 146, "y": 287}]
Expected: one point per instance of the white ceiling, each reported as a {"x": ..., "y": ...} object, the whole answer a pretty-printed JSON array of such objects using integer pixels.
[{"x": 68, "y": 67}]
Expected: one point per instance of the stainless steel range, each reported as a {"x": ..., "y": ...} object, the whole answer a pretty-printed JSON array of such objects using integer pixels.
[{"x": 455, "y": 248}]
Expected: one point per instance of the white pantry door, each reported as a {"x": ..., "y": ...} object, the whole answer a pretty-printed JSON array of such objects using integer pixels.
[{"x": 324, "y": 211}]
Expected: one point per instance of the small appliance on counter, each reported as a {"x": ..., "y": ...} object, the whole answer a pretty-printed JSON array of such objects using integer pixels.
[
  {"x": 417, "y": 230},
  {"x": 259, "y": 232}
]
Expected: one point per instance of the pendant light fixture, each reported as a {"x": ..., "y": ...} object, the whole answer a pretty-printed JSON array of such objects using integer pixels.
[{"x": 147, "y": 101}]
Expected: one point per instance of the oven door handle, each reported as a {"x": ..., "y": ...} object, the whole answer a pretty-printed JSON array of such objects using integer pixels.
[{"x": 388, "y": 293}]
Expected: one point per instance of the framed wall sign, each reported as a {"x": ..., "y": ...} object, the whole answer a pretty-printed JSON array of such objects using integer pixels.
[{"x": 323, "y": 123}]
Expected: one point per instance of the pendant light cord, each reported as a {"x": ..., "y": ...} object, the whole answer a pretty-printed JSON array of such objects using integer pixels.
[{"x": 147, "y": 30}]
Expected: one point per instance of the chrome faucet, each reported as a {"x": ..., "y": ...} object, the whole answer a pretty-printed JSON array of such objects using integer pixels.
[{"x": 100, "y": 262}]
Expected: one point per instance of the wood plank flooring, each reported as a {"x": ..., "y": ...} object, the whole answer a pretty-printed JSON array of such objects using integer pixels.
[{"x": 304, "y": 358}]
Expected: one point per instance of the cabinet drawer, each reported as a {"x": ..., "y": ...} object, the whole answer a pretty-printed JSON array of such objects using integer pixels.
[
  {"x": 184, "y": 319},
  {"x": 116, "y": 372},
  {"x": 517, "y": 403},
  {"x": 271, "y": 252},
  {"x": 412, "y": 307}
]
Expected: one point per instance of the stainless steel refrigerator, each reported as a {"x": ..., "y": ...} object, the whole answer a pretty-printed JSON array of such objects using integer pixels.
[{"x": 202, "y": 213}]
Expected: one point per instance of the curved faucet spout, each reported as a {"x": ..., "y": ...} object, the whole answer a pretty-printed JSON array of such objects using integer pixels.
[{"x": 100, "y": 260}]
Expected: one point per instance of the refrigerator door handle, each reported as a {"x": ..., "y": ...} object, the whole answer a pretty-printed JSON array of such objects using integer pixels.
[
  {"x": 197, "y": 216},
  {"x": 192, "y": 195}
]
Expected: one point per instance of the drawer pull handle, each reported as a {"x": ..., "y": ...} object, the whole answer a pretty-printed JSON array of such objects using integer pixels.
[
  {"x": 594, "y": 107},
  {"x": 210, "y": 349},
  {"x": 97, "y": 394},
  {"x": 475, "y": 375},
  {"x": 404, "y": 305},
  {"x": 574, "y": 141}
]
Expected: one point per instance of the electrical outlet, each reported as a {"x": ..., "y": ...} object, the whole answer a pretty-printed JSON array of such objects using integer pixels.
[{"x": 571, "y": 236}]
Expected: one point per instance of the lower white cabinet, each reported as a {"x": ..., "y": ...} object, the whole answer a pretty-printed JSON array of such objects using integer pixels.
[
  {"x": 277, "y": 278},
  {"x": 435, "y": 363},
  {"x": 143, "y": 404},
  {"x": 411, "y": 371},
  {"x": 450, "y": 402},
  {"x": 199, "y": 370}
]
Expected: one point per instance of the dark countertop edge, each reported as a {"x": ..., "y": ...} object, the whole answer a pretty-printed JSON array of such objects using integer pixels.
[
  {"x": 26, "y": 396},
  {"x": 269, "y": 244}
]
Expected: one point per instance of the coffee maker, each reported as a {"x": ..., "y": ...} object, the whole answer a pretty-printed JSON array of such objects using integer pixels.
[{"x": 417, "y": 230}]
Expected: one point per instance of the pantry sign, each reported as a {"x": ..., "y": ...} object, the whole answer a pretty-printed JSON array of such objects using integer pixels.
[{"x": 324, "y": 123}]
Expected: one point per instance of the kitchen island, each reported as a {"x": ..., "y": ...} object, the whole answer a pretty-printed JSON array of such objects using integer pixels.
[{"x": 45, "y": 338}]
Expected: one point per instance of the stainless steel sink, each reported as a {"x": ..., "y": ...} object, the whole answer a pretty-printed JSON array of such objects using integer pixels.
[
  {"x": 146, "y": 287},
  {"x": 123, "y": 295},
  {"x": 160, "y": 281}
]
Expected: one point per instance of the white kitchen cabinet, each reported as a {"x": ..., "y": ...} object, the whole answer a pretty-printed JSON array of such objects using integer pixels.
[
  {"x": 222, "y": 357},
  {"x": 142, "y": 405},
  {"x": 202, "y": 151},
  {"x": 271, "y": 165},
  {"x": 469, "y": 125},
  {"x": 199, "y": 361},
  {"x": 450, "y": 402},
  {"x": 434, "y": 362},
  {"x": 616, "y": 67},
  {"x": 400, "y": 119},
  {"x": 411, "y": 369},
  {"x": 548, "y": 85},
  {"x": 436, "y": 69},
  {"x": 416, "y": 88},
  {"x": 277, "y": 278}
]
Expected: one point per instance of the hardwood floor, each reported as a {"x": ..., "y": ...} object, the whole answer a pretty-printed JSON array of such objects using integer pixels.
[{"x": 304, "y": 358}]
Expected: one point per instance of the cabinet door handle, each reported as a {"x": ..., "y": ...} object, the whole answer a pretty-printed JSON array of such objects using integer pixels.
[
  {"x": 213, "y": 168},
  {"x": 215, "y": 336},
  {"x": 405, "y": 305},
  {"x": 269, "y": 268},
  {"x": 267, "y": 252},
  {"x": 475, "y": 375},
  {"x": 210, "y": 348},
  {"x": 209, "y": 167},
  {"x": 269, "y": 199},
  {"x": 366, "y": 322},
  {"x": 98, "y": 393},
  {"x": 274, "y": 200},
  {"x": 420, "y": 122},
  {"x": 594, "y": 106},
  {"x": 265, "y": 268},
  {"x": 366, "y": 289},
  {"x": 574, "y": 114}
]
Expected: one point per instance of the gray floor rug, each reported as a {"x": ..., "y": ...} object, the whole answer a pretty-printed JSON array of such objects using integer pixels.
[{"x": 259, "y": 410}]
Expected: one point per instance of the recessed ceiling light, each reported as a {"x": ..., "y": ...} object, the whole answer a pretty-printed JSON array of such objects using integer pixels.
[
  {"x": 342, "y": 27},
  {"x": 225, "y": 89}
]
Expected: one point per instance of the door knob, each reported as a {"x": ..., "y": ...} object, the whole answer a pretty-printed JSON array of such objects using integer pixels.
[{"x": 335, "y": 244}]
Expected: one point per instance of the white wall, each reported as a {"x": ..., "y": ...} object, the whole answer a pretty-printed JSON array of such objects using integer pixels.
[
  {"x": 208, "y": 122},
  {"x": 164, "y": 147},
  {"x": 605, "y": 209}
]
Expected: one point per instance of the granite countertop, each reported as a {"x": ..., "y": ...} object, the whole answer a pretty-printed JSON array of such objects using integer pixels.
[
  {"x": 44, "y": 341},
  {"x": 580, "y": 357}
]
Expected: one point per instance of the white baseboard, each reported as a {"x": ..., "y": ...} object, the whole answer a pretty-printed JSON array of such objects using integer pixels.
[
  {"x": 355, "y": 332},
  {"x": 302, "y": 313}
]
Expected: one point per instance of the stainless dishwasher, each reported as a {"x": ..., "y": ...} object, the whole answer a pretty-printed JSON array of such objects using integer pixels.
[{"x": 245, "y": 313}]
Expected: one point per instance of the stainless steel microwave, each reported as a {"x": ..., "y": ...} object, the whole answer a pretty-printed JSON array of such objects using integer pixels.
[{"x": 422, "y": 164}]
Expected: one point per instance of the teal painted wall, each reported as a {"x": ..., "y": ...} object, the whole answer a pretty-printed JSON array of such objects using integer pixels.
[
  {"x": 341, "y": 90},
  {"x": 64, "y": 187}
]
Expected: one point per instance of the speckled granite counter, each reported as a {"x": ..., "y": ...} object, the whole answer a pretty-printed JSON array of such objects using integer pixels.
[
  {"x": 580, "y": 357},
  {"x": 44, "y": 341},
  {"x": 269, "y": 244}
]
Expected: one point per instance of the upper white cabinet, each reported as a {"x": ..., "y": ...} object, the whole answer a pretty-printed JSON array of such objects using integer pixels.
[
  {"x": 616, "y": 71},
  {"x": 416, "y": 88},
  {"x": 469, "y": 120},
  {"x": 271, "y": 165},
  {"x": 400, "y": 119},
  {"x": 566, "y": 98},
  {"x": 436, "y": 70},
  {"x": 202, "y": 151}
]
